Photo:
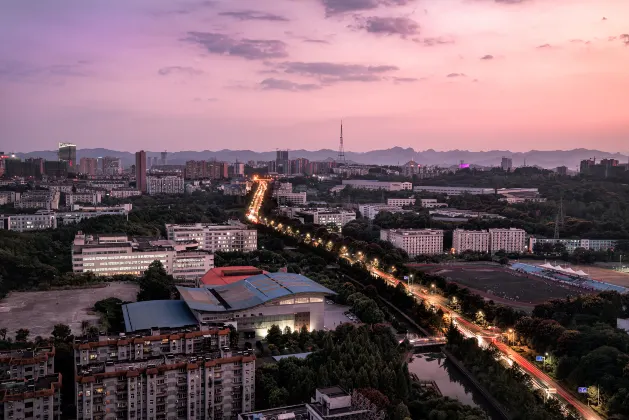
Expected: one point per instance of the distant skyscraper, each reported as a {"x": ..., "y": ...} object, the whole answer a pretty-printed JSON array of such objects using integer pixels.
[
  {"x": 140, "y": 170},
  {"x": 67, "y": 153},
  {"x": 506, "y": 164},
  {"x": 88, "y": 166},
  {"x": 282, "y": 165},
  {"x": 164, "y": 158},
  {"x": 112, "y": 165}
]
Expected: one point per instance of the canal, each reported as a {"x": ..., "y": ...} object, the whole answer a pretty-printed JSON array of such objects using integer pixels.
[{"x": 452, "y": 383}]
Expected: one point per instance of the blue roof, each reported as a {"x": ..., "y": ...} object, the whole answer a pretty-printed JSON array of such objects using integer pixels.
[
  {"x": 157, "y": 313},
  {"x": 252, "y": 291}
]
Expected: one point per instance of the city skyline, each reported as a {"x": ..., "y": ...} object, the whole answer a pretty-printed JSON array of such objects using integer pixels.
[{"x": 199, "y": 75}]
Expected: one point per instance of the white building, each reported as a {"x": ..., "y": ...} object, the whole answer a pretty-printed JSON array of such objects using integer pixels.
[
  {"x": 11, "y": 196},
  {"x": 42, "y": 219},
  {"x": 108, "y": 184},
  {"x": 108, "y": 255},
  {"x": 325, "y": 217},
  {"x": 125, "y": 192},
  {"x": 431, "y": 203},
  {"x": 231, "y": 237},
  {"x": 370, "y": 211},
  {"x": 80, "y": 213},
  {"x": 454, "y": 190},
  {"x": 291, "y": 198},
  {"x": 470, "y": 240},
  {"x": 508, "y": 240},
  {"x": 89, "y": 198},
  {"x": 39, "y": 199},
  {"x": 572, "y": 244},
  {"x": 378, "y": 185},
  {"x": 400, "y": 202},
  {"x": 415, "y": 241},
  {"x": 168, "y": 184}
]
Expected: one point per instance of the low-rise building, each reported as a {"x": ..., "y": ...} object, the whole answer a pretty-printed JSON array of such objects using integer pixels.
[
  {"x": 370, "y": 211},
  {"x": 508, "y": 240},
  {"x": 454, "y": 190},
  {"x": 431, "y": 203},
  {"x": 445, "y": 213},
  {"x": 22, "y": 399},
  {"x": 41, "y": 220},
  {"x": 108, "y": 184},
  {"x": 86, "y": 198},
  {"x": 171, "y": 375},
  {"x": 231, "y": 237},
  {"x": 10, "y": 196},
  {"x": 400, "y": 202},
  {"x": 125, "y": 192},
  {"x": 164, "y": 184},
  {"x": 572, "y": 244},
  {"x": 80, "y": 213},
  {"x": 291, "y": 198},
  {"x": 415, "y": 241},
  {"x": 337, "y": 217},
  {"x": 378, "y": 185},
  {"x": 470, "y": 240},
  {"x": 39, "y": 199}
]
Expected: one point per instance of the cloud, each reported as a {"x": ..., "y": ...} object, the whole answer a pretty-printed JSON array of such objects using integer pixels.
[
  {"x": 604, "y": 18},
  {"x": 456, "y": 75},
  {"x": 402, "y": 26},
  {"x": 281, "y": 84},
  {"x": 165, "y": 71},
  {"x": 329, "y": 73},
  {"x": 625, "y": 39},
  {"x": 251, "y": 49},
  {"x": 432, "y": 41},
  {"x": 316, "y": 41},
  {"x": 335, "y": 7},
  {"x": 405, "y": 79},
  {"x": 52, "y": 74},
  {"x": 544, "y": 46},
  {"x": 186, "y": 8},
  {"x": 254, "y": 15},
  {"x": 205, "y": 99},
  {"x": 487, "y": 57}
]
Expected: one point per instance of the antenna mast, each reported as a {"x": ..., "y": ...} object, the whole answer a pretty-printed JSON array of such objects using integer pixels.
[{"x": 341, "y": 157}]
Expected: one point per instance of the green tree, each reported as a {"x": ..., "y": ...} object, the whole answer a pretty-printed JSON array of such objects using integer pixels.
[
  {"x": 401, "y": 412},
  {"x": 3, "y": 333},
  {"x": 61, "y": 332},
  {"x": 21, "y": 335},
  {"x": 274, "y": 335},
  {"x": 155, "y": 283}
]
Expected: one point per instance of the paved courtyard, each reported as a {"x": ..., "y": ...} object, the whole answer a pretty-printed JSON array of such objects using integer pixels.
[
  {"x": 40, "y": 311},
  {"x": 335, "y": 315}
]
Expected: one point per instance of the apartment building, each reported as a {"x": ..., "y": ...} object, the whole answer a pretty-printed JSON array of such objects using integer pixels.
[
  {"x": 108, "y": 184},
  {"x": 167, "y": 184},
  {"x": 370, "y": 211},
  {"x": 22, "y": 399},
  {"x": 431, "y": 203},
  {"x": 27, "y": 363},
  {"x": 180, "y": 375},
  {"x": 125, "y": 192},
  {"x": 415, "y": 241},
  {"x": 470, "y": 240},
  {"x": 85, "y": 197},
  {"x": 378, "y": 185},
  {"x": 508, "y": 240},
  {"x": 230, "y": 237},
  {"x": 572, "y": 244},
  {"x": 291, "y": 198},
  {"x": 39, "y": 199},
  {"x": 400, "y": 202},
  {"x": 325, "y": 217},
  {"x": 108, "y": 255},
  {"x": 42, "y": 219},
  {"x": 454, "y": 190}
]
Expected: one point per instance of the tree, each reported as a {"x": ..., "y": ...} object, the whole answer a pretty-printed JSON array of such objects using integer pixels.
[
  {"x": 21, "y": 335},
  {"x": 401, "y": 412},
  {"x": 155, "y": 283},
  {"x": 274, "y": 335},
  {"x": 61, "y": 332},
  {"x": 3, "y": 333}
]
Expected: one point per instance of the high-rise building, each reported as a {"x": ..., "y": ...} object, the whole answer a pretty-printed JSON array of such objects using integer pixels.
[
  {"x": 232, "y": 237},
  {"x": 508, "y": 240},
  {"x": 164, "y": 158},
  {"x": 299, "y": 166},
  {"x": 67, "y": 153},
  {"x": 415, "y": 241},
  {"x": 410, "y": 168},
  {"x": 217, "y": 170},
  {"x": 56, "y": 169},
  {"x": 470, "y": 240},
  {"x": 239, "y": 169},
  {"x": 112, "y": 166},
  {"x": 506, "y": 164},
  {"x": 140, "y": 170},
  {"x": 88, "y": 166},
  {"x": 561, "y": 170},
  {"x": 282, "y": 164}
]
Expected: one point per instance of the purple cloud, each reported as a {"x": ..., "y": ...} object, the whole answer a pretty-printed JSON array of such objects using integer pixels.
[
  {"x": 254, "y": 15},
  {"x": 250, "y": 49},
  {"x": 329, "y": 73},
  {"x": 335, "y": 7},
  {"x": 402, "y": 26},
  {"x": 165, "y": 71},
  {"x": 281, "y": 84}
]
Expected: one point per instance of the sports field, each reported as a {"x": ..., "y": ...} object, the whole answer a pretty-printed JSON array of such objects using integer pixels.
[{"x": 601, "y": 271}]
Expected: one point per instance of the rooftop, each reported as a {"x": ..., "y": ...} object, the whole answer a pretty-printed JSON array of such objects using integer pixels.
[
  {"x": 276, "y": 413},
  {"x": 219, "y": 276},
  {"x": 16, "y": 390},
  {"x": 253, "y": 291},
  {"x": 157, "y": 313}
]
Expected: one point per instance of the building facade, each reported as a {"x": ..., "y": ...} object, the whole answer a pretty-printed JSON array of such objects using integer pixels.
[
  {"x": 339, "y": 218},
  {"x": 291, "y": 198},
  {"x": 27, "y": 363},
  {"x": 378, "y": 185},
  {"x": 415, "y": 241},
  {"x": 41, "y": 220},
  {"x": 506, "y": 164},
  {"x": 470, "y": 240},
  {"x": 169, "y": 184},
  {"x": 231, "y": 237},
  {"x": 572, "y": 244},
  {"x": 140, "y": 171},
  {"x": 88, "y": 166},
  {"x": 508, "y": 240},
  {"x": 454, "y": 190},
  {"x": 67, "y": 153},
  {"x": 86, "y": 198},
  {"x": 124, "y": 192},
  {"x": 400, "y": 202},
  {"x": 39, "y": 199},
  {"x": 370, "y": 211}
]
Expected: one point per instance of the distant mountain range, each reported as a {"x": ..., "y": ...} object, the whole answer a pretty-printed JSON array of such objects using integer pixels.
[{"x": 392, "y": 156}]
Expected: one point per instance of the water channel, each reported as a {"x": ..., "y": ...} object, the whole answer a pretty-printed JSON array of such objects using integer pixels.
[{"x": 452, "y": 383}]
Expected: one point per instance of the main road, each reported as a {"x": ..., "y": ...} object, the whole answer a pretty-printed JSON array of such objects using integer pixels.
[{"x": 464, "y": 324}]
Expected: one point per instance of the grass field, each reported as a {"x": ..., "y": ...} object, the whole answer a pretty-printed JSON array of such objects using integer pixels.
[
  {"x": 40, "y": 311},
  {"x": 502, "y": 285}
]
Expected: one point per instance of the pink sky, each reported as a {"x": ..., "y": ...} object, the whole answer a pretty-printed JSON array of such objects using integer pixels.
[{"x": 266, "y": 74}]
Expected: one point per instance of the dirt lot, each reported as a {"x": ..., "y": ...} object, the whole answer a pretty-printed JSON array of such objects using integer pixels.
[
  {"x": 602, "y": 271},
  {"x": 494, "y": 282},
  {"x": 40, "y": 311}
]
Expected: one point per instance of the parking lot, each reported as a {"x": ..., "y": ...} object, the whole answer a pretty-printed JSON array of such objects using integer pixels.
[
  {"x": 40, "y": 311},
  {"x": 335, "y": 315}
]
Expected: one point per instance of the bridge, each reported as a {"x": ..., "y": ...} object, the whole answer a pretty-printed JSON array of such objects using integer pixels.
[{"x": 427, "y": 341}]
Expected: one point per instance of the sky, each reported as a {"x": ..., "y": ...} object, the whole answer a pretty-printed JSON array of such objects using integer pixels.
[{"x": 266, "y": 74}]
